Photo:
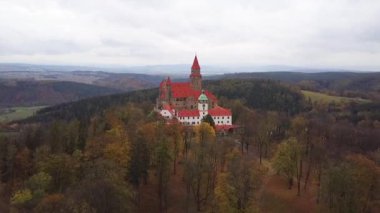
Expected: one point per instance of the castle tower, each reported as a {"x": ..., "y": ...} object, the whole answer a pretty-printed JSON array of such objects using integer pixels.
[
  {"x": 169, "y": 89},
  {"x": 195, "y": 76},
  {"x": 203, "y": 104}
]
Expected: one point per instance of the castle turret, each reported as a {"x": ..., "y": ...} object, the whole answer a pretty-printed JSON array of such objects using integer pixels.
[
  {"x": 195, "y": 76},
  {"x": 203, "y": 104}
]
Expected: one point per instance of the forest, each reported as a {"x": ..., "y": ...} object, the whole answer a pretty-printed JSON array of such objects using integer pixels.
[{"x": 115, "y": 154}]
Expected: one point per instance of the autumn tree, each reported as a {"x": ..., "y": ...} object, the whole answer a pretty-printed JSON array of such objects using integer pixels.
[
  {"x": 235, "y": 188},
  {"x": 264, "y": 131},
  {"x": 247, "y": 121},
  {"x": 62, "y": 168},
  {"x": 208, "y": 119},
  {"x": 174, "y": 134},
  {"x": 286, "y": 159},
  {"x": 351, "y": 186},
  {"x": 162, "y": 166},
  {"x": 225, "y": 145},
  {"x": 300, "y": 129},
  {"x": 35, "y": 189},
  {"x": 201, "y": 165}
]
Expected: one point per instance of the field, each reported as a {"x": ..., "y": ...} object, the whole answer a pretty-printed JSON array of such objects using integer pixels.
[
  {"x": 324, "y": 98},
  {"x": 16, "y": 113}
]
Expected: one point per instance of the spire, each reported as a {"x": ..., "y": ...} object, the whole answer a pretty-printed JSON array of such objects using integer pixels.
[{"x": 195, "y": 64}]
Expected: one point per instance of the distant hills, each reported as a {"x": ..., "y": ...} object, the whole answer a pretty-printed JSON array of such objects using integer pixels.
[
  {"x": 26, "y": 85},
  {"x": 120, "y": 81},
  {"x": 37, "y": 93},
  {"x": 174, "y": 70},
  {"x": 350, "y": 84}
]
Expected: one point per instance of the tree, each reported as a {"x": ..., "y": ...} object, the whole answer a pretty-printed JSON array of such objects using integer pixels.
[
  {"x": 22, "y": 198},
  {"x": 39, "y": 184},
  {"x": 62, "y": 168},
  {"x": 352, "y": 185},
  {"x": 235, "y": 188},
  {"x": 162, "y": 164},
  {"x": 224, "y": 195},
  {"x": 300, "y": 129},
  {"x": 174, "y": 134},
  {"x": 225, "y": 145},
  {"x": 142, "y": 150},
  {"x": 208, "y": 119},
  {"x": 201, "y": 165},
  {"x": 247, "y": 120},
  {"x": 51, "y": 203},
  {"x": 264, "y": 132},
  {"x": 286, "y": 159},
  {"x": 102, "y": 195}
]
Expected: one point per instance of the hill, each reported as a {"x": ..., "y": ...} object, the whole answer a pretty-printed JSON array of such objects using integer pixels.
[
  {"x": 85, "y": 109},
  {"x": 120, "y": 81},
  {"x": 17, "y": 113},
  {"x": 260, "y": 94},
  {"x": 349, "y": 84},
  {"x": 103, "y": 153},
  {"x": 324, "y": 98},
  {"x": 37, "y": 93},
  {"x": 257, "y": 94}
]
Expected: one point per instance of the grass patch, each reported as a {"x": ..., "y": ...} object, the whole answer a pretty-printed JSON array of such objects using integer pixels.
[
  {"x": 324, "y": 98},
  {"x": 17, "y": 113}
]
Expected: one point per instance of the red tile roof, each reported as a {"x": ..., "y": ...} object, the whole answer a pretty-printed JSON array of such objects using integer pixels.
[
  {"x": 188, "y": 113},
  {"x": 184, "y": 90},
  {"x": 167, "y": 107},
  {"x": 219, "y": 111},
  {"x": 210, "y": 95},
  {"x": 195, "y": 64},
  {"x": 181, "y": 90}
]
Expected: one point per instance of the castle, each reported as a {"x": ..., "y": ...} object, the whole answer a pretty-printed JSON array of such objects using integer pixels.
[{"x": 188, "y": 103}]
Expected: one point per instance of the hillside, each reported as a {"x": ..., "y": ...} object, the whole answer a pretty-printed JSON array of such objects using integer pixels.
[
  {"x": 120, "y": 81},
  {"x": 120, "y": 149},
  {"x": 85, "y": 109},
  {"x": 260, "y": 94},
  {"x": 37, "y": 93},
  {"x": 272, "y": 95},
  {"x": 324, "y": 98},
  {"x": 349, "y": 84},
  {"x": 104, "y": 153}
]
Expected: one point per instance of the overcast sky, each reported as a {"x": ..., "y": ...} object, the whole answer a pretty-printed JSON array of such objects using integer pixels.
[{"x": 315, "y": 33}]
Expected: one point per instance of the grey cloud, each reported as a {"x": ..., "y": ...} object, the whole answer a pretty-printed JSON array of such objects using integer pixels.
[
  {"x": 48, "y": 47},
  {"x": 292, "y": 32}
]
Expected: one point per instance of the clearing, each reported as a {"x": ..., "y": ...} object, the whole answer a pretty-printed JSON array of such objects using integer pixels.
[
  {"x": 325, "y": 98},
  {"x": 17, "y": 113}
]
